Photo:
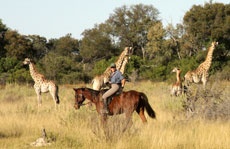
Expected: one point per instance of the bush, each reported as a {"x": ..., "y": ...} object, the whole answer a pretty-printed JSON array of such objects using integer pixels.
[
  {"x": 9, "y": 65},
  {"x": 20, "y": 76},
  {"x": 100, "y": 66},
  {"x": 73, "y": 78},
  {"x": 211, "y": 103}
]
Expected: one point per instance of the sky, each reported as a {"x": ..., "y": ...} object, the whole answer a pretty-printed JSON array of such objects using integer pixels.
[{"x": 56, "y": 18}]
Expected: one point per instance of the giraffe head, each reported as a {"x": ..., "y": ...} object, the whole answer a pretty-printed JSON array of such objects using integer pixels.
[
  {"x": 214, "y": 44},
  {"x": 176, "y": 69},
  {"x": 129, "y": 51},
  {"x": 27, "y": 61}
]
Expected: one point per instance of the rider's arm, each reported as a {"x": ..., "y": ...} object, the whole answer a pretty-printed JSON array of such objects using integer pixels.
[{"x": 123, "y": 82}]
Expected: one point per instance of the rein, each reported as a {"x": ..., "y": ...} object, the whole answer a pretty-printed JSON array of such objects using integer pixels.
[
  {"x": 83, "y": 104},
  {"x": 82, "y": 96}
]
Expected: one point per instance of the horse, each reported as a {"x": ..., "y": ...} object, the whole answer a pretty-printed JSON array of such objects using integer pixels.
[{"x": 126, "y": 102}]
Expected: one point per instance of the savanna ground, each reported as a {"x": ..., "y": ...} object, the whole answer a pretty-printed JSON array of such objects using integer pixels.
[{"x": 206, "y": 125}]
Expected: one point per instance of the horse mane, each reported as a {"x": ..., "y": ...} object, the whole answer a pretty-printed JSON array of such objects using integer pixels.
[{"x": 94, "y": 93}]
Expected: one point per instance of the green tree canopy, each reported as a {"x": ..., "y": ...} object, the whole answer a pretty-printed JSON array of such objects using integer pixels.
[
  {"x": 67, "y": 45},
  {"x": 209, "y": 22},
  {"x": 95, "y": 45},
  {"x": 18, "y": 46},
  {"x": 130, "y": 25},
  {"x": 3, "y": 29},
  {"x": 39, "y": 45}
]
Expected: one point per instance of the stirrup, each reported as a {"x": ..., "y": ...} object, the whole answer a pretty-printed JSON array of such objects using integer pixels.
[{"x": 105, "y": 110}]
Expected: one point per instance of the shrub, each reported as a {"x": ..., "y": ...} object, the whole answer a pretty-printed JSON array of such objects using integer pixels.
[
  {"x": 211, "y": 103},
  {"x": 20, "y": 76}
]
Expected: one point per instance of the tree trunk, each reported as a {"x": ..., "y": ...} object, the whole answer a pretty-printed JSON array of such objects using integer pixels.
[
  {"x": 143, "y": 52},
  {"x": 177, "y": 49}
]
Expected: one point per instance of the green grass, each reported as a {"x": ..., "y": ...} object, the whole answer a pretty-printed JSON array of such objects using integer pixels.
[{"x": 21, "y": 122}]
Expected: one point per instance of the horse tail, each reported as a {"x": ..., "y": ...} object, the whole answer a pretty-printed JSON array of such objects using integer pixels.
[
  {"x": 57, "y": 100},
  {"x": 147, "y": 106}
]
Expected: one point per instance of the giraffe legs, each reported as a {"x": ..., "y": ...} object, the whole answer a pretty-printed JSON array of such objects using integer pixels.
[
  {"x": 38, "y": 92},
  {"x": 54, "y": 98},
  {"x": 54, "y": 93},
  {"x": 204, "y": 79}
]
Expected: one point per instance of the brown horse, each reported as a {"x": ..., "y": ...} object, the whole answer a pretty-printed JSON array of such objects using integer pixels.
[{"x": 126, "y": 102}]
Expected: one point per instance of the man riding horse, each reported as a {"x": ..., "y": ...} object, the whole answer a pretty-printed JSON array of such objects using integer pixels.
[{"x": 117, "y": 81}]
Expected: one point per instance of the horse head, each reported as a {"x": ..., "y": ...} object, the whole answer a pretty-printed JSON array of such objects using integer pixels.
[{"x": 79, "y": 98}]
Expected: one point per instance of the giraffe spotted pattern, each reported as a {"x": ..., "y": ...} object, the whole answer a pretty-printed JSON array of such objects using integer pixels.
[
  {"x": 41, "y": 84},
  {"x": 201, "y": 73},
  {"x": 100, "y": 81}
]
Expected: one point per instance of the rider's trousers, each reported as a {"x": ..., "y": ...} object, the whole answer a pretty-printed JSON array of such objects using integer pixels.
[{"x": 114, "y": 88}]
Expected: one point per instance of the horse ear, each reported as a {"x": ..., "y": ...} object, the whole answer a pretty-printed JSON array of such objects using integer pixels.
[{"x": 74, "y": 89}]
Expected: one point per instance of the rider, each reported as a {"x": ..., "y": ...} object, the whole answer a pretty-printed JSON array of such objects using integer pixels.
[{"x": 117, "y": 81}]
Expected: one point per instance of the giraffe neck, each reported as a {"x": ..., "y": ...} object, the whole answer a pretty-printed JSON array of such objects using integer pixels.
[
  {"x": 33, "y": 72},
  {"x": 121, "y": 58},
  {"x": 107, "y": 72},
  {"x": 208, "y": 59},
  {"x": 122, "y": 70},
  {"x": 178, "y": 76},
  {"x": 118, "y": 63}
]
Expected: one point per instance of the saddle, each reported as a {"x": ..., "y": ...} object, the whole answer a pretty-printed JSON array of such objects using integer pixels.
[{"x": 117, "y": 93}]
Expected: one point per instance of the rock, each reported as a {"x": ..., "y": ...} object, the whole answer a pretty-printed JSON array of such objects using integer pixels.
[{"x": 40, "y": 142}]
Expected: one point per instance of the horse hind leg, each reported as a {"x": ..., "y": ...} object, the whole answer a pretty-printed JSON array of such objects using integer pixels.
[{"x": 140, "y": 112}]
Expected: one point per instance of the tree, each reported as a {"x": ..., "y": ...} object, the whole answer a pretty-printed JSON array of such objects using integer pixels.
[
  {"x": 57, "y": 67},
  {"x": 95, "y": 45},
  {"x": 209, "y": 22},
  {"x": 130, "y": 25},
  {"x": 17, "y": 45},
  {"x": 67, "y": 45},
  {"x": 156, "y": 37},
  {"x": 3, "y": 29},
  {"x": 39, "y": 45}
]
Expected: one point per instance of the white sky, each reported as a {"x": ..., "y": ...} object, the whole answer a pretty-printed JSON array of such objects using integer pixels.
[{"x": 56, "y": 18}]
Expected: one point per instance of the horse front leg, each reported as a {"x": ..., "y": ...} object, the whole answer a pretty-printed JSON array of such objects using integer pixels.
[
  {"x": 103, "y": 120},
  {"x": 104, "y": 124},
  {"x": 128, "y": 118}
]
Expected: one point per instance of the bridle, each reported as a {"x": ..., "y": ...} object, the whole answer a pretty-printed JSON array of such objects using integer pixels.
[{"x": 81, "y": 104}]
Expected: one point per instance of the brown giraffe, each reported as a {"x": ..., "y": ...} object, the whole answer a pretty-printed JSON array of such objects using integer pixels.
[
  {"x": 100, "y": 80},
  {"x": 42, "y": 85},
  {"x": 201, "y": 73},
  {"x": 176, "y": 89}
]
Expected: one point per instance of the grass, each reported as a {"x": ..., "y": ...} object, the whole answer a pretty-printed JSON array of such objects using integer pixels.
[{"x": 21, "y": 122}]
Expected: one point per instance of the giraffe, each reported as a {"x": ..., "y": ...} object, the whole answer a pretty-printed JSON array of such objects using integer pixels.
[
  {"x": 176, "y": 89},
  {"x": 201, "y": 73},
  {"x": 125, "y": 61},
  {"x": 100, "y": 81},
  {"x": 41, "y": 84}
]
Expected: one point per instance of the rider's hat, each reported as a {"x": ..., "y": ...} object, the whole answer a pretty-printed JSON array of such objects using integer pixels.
[{"x": 113, "y": 65}]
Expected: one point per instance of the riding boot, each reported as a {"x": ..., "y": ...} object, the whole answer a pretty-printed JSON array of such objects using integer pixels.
[{"x": 105, "y": 109}]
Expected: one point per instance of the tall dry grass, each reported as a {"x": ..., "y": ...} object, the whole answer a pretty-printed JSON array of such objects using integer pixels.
[{"x": 21, "y": 122}]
